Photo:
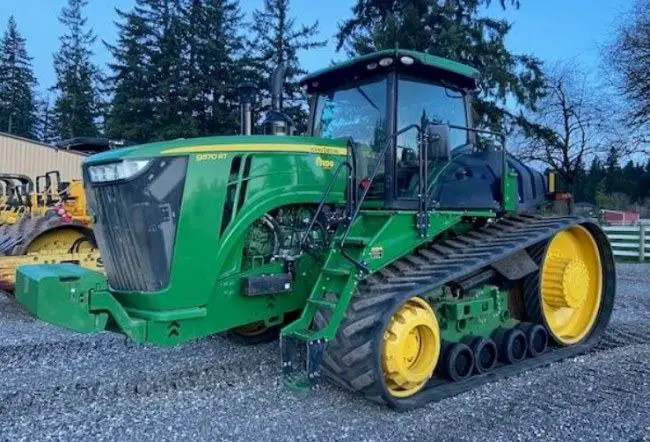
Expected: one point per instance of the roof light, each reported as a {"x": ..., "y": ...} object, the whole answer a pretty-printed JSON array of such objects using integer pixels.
[
  {"x": 314, "y": 84},
  {"x": 371, "y": 66},
  {"x": 385, "y": 62},
  {"x": 407, "y": 60}
]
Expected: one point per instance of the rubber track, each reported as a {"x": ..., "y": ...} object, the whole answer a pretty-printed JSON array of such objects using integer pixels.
[{"x": 352, "y": 359}]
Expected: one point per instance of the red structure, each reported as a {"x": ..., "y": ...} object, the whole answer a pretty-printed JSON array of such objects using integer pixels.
[{"x": 620, "y": 218}]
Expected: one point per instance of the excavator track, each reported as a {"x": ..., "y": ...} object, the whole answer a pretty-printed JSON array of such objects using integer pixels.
[{"x": 352, "y": 359}]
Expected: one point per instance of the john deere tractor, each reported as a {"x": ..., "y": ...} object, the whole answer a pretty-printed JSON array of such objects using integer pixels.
[{"x": 399, "y": 251}]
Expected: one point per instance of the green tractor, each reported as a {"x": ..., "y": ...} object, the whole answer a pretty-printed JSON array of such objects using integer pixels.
[{"x": 398, "y": 251}]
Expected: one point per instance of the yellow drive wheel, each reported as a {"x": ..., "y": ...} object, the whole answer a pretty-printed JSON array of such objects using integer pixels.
[
  {"x": 411, "y": 348},
  {"x": 59, "y": 241},
  {"x": 571, "y": 285}
]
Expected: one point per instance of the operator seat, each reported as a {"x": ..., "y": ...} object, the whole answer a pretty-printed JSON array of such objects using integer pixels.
[{"x": 438, "y": 154}]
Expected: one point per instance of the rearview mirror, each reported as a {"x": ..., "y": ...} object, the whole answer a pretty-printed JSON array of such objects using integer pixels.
[{"x": 437, "y": 143}]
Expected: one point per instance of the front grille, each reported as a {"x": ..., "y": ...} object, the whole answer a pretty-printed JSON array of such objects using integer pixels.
[{"x": 135, "y": 224}]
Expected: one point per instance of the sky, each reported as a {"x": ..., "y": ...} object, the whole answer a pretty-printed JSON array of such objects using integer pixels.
[{"x": 553, "y": 30}]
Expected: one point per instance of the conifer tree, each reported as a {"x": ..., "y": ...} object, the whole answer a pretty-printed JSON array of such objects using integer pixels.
[
  {"x": 132, "y": 112},
  {"x": 77, "y": 105},
  {"x": 46, "y": 129},
  {"x": 17, "y": 83},
  {"x": 215, "y": 64},
  {"x": 278, "y": 38},
  {"x": 455, "y": 29},
  {"x": 176, "y": 70}
]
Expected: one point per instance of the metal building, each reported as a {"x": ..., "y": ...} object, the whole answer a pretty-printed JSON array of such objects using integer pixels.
[{"x": 32, "y": 158}]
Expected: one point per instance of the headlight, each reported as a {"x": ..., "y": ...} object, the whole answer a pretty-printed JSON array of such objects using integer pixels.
[{"x": 116, "y": 171}]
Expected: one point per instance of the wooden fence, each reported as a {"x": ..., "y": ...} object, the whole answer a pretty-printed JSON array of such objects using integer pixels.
[{"x": 630, "y": 242}]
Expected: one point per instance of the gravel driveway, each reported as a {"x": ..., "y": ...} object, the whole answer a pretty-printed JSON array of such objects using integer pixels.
[{"x": 60, "y": 385}]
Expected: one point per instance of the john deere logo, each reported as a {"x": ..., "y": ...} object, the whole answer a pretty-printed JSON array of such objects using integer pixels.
[{"x": 325, "y": 164}]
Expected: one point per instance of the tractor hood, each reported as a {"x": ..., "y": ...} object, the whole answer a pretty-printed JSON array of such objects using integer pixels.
[{"x": 209, "y": 145}]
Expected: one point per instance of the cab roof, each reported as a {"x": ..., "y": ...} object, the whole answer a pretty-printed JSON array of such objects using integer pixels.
[{"x": 417, "y": 63}]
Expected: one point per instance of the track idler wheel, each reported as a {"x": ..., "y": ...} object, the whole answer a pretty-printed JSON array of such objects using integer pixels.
[
  {"x": 537, "y": 338},
  {"x": 485, "y": 353},
  {"x": 512, "y": 345},
  {"x": 458, "y": 361}
]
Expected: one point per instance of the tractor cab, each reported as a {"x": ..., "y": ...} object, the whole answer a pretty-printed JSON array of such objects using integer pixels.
[{"x": 418, "y": 107}]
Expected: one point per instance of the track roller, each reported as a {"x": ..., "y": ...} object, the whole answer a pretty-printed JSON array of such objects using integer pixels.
[
  {"x": 537, "y": 338},
  {"x": 512, "y": 345},
  {"x": 458, "y": 361},
  {"x": 485, "y": 353}
]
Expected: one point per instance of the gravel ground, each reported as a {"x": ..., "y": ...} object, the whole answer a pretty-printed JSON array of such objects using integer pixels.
[{"x": 60, "y": 385}]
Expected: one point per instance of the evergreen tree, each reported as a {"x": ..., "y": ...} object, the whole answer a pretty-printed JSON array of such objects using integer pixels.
[
  {"x": 17, "y": 83},
  {"x": 132, "y": 114},
  {"x": 77, "y": 105},
  {"x": 580, "y": 190},
  {"x": 645, "y": 182},
  {"x": 46, "y": 129},
  {"x": 167, "y": 64},
  {"x": 595, "y": 176},
  {"x": 455, "y": 29},
  {"x": 612, "y": 170},
  {"x": 177, "y": 66},
  {"x": 215, "y": 64},
  {"x": 278, "y": 38}
]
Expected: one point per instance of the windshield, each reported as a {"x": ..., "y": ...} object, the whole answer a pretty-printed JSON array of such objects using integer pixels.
[{"x": 358, "y": 112}]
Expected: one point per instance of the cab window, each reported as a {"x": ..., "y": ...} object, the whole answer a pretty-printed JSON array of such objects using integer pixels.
[{"x": 417, "y": 103}]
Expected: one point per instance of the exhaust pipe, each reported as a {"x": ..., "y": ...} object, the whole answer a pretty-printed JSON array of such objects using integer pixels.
[
  {"x": 276, "y": 86},
  {"x": 276, "y": 121},
  {"x": 247, "y": 94}
]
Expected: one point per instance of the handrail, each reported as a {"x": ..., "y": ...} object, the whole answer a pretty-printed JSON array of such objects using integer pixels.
[
  {"x": 351, "y": 197},
  {"x": 321, "y": 204},
  {"x": 359, "y": 202}
]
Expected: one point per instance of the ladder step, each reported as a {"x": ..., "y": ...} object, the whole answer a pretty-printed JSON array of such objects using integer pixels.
[
  {"x": 336, "y": 271},
  {"x": 323, "y": 303},
  {"x": 357, "y": 240}
]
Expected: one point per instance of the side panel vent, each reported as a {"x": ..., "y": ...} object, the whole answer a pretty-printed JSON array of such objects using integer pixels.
[
  {"x": 244, "y": 186},
  {"x": 231, "y": 190}
]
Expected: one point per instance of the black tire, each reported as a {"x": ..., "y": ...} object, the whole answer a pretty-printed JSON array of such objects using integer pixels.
[
  {"x": 537, "y": 338},
  {"x": 485, "y": 353},
  {"x": 512, "y": 345},
  {"x": 350, "y": 360},
  {"x": 457, "y": 361}
]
